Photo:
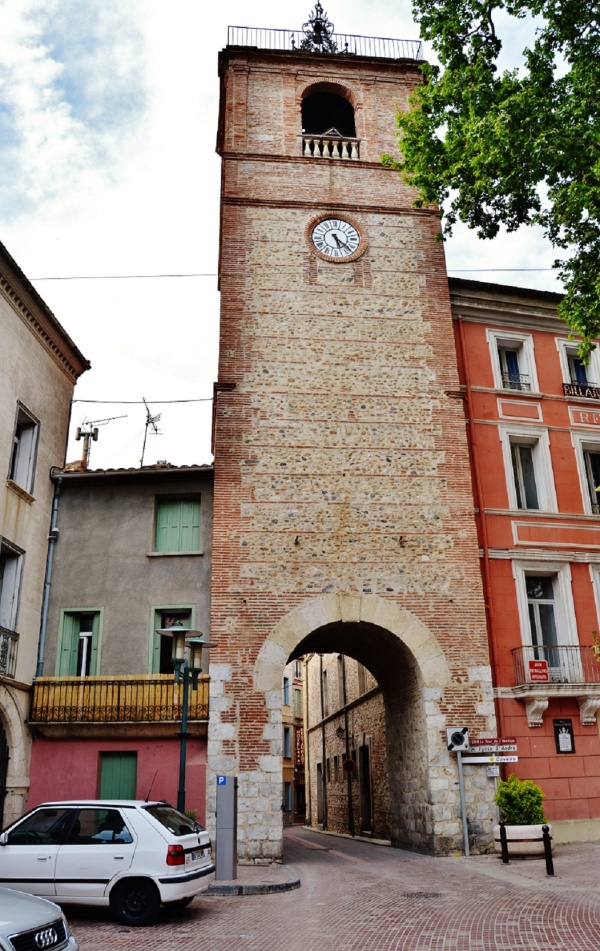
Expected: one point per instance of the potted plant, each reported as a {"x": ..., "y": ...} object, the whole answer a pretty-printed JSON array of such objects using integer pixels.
[{"x": 521, "y": 808}]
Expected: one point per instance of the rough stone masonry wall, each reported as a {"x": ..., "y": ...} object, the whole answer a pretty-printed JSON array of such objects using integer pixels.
[{"x": 340, "y": 453}]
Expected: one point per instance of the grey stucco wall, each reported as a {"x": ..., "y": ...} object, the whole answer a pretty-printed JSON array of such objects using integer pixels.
[{"x": 105, "y": 560}]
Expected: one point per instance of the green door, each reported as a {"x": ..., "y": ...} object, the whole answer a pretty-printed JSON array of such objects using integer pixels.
[{"x": 118, "y": 775}]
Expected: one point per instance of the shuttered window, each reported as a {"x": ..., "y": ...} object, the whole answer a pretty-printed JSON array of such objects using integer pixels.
[
  {"x": 80, "y": 640},
  {"x": 178, "y": 525}
]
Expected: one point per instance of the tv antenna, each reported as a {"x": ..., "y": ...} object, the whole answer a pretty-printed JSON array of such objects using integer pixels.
[
  {"x": 88, "y": 431},
  {"x": 151, "y": 421}
]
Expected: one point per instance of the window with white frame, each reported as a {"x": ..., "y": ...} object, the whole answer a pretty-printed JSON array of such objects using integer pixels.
[
  {"x": 11, "y": 567},
  {"x": 528, "y": 468},
  {"x": 23, "y": 455},
  {"x": 572, "y": 366},
  {"x": 547, "y": 614},
  {"x": 587, "y": 450},
  {"x": 513, "y": 361}
]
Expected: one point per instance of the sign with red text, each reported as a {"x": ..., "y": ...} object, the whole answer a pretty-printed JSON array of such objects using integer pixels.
[
  {"x": 538, "y": 672},
  {"x": 494, "y": 744}
]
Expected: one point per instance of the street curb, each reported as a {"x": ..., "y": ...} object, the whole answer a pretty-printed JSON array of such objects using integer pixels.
[{"x": 260, "y": 888}]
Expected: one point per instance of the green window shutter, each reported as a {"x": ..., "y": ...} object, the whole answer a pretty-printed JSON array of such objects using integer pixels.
[
  {"x": 190, "y": 526},
  {"x": 118, "y": 775},
  {"x": 156, "y": 638},
  {"x": 94, "y": 667},
  {"x": 178, "y": 526},
  {"x": 69, "y": 646}
]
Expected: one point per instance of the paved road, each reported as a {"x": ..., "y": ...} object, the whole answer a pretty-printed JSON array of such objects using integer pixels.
[{"x": 358, "y": 896}]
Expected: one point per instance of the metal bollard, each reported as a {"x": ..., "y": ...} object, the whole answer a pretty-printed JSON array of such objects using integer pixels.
[
  {"x": 503, "y": 843},
  {"x": 548, "y": 850}
]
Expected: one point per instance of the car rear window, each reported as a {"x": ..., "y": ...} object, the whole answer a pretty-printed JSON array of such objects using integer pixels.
[{"x": 175, "y": 822}]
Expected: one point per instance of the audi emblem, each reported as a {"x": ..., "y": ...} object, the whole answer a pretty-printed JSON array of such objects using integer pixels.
[{"x": 46, "y": 938}]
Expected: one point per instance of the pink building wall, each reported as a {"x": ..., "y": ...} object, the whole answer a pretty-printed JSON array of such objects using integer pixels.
[{"x": 70, "y": 769}]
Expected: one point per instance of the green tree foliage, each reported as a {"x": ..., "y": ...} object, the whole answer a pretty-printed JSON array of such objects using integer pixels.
[
  {"x": 518, "y": 147},
  {"x": 520, "y": 801}
]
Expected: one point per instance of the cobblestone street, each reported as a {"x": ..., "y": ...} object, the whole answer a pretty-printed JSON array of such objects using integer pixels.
[{"x": 359, "y": 896}]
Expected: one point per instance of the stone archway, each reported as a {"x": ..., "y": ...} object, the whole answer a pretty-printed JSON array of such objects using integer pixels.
[
  {"x": 12, "y": 714},
  {"x": 349, "y": 608},
  {"x": 425, "y": 814}
]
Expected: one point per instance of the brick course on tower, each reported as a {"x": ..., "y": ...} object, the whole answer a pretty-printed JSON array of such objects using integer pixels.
[{"x": 343, "y": 512}]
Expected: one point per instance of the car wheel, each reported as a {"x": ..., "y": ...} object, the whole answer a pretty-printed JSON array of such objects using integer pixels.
[{"x": 135, "y": 901}]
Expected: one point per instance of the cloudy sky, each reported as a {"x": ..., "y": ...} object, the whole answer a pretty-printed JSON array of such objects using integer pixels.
[{"x": 108, "y": 115}]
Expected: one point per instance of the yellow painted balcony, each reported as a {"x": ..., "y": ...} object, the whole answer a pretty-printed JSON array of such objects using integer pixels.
[{"x": 83, "y": 705}]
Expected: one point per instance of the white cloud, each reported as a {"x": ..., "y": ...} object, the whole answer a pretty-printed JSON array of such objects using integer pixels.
[{"x": 108, "y": 119}]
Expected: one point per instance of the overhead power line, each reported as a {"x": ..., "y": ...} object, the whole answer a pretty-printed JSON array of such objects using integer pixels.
[
  {"x": 120, "y": 277},
  {"x": 145, "y": 277},
  {"x": 203, "y": 399}
]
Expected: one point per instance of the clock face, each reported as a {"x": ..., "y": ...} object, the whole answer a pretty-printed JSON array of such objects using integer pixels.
[{"x": 336, "y": 238}]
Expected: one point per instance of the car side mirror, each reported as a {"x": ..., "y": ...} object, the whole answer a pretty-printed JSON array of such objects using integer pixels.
[{"x": 3, "y": 838}]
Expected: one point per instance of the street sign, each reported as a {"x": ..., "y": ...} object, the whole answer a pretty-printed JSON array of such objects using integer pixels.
[
  {"x": 457, "y": 738},
  {"x": 494, "y": 744},
  {"x": 490, "y": 759},
  {"x": 492, "y": 740},
  {"x": 221, "y": 780},
  {"x": 507, "y": 748}
]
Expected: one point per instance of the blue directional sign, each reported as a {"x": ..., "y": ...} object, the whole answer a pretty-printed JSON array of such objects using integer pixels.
[{"x": 221, "y": 780}]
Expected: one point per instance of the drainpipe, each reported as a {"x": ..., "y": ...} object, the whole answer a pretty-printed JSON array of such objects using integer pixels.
[
  {"x": 52, "y": 539},
  {"x": 306, "y": 727},
  {"x": 483, "y": 524},
  {"x": 348, "y": 774},
  {"x": 323, "y": 746}
]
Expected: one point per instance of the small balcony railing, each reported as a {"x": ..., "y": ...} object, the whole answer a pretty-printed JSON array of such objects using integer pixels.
[
  {"x": 9, "y": 642},
  {"x": 555, "y": 664},
  {"x": 344, "y": 43},
  {"x": 329, "y": 146},
  {"x": 516, "y": 381},
  {"x": 153, "y": 698}
]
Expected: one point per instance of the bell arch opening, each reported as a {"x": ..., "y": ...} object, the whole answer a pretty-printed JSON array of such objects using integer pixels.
[{"x": 325, "y": 109}]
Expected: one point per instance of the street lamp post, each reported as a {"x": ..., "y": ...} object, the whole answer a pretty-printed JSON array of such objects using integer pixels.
[{"x": 187, "y": 660}]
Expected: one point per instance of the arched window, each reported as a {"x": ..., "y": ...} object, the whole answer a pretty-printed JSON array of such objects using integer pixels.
[{"x": 324, "y": 111}]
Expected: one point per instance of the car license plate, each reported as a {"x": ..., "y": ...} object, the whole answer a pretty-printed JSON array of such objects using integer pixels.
[{"x": 194, "y": 856}]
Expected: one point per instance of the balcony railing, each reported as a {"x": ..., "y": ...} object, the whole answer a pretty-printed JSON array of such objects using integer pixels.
[
  {"x": 345, "y": 43},
  {"x": 9, "y": 641},
  {"x": 564, "y": 664},
  {"x": 152, "y": 698},
  {"x": 588, "y": 391},
  {"x": 329, "y": 146},
  {"x": 516, "y": 381}
]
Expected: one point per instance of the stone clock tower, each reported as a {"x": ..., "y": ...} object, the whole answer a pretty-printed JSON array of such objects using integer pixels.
[{"x": 343, "y": 509}]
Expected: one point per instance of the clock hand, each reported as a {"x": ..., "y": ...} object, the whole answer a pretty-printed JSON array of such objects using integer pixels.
[{"x": 340, "y": 244}]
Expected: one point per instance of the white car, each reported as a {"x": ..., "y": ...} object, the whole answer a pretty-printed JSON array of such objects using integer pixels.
[
  {"x": 27, "y": 922},
  {"x": 130, "y": 854}
]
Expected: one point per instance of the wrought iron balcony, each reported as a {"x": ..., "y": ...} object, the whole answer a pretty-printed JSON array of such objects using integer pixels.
[
  {"x": 516, "y": 381},
  {"x": 343, "y": 43},
  {"x": 9, "y": 641},
  {"x": 588, "y": 391},
  {"x": 560, "y": 665},
  {"x": 154, "y": 698}
]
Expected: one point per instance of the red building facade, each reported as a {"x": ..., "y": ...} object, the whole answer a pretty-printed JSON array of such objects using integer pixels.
[{"x": 533, "y": 422}]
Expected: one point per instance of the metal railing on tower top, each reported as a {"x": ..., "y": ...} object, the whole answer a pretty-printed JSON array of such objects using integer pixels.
[{"x": 345, "y": 43}]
